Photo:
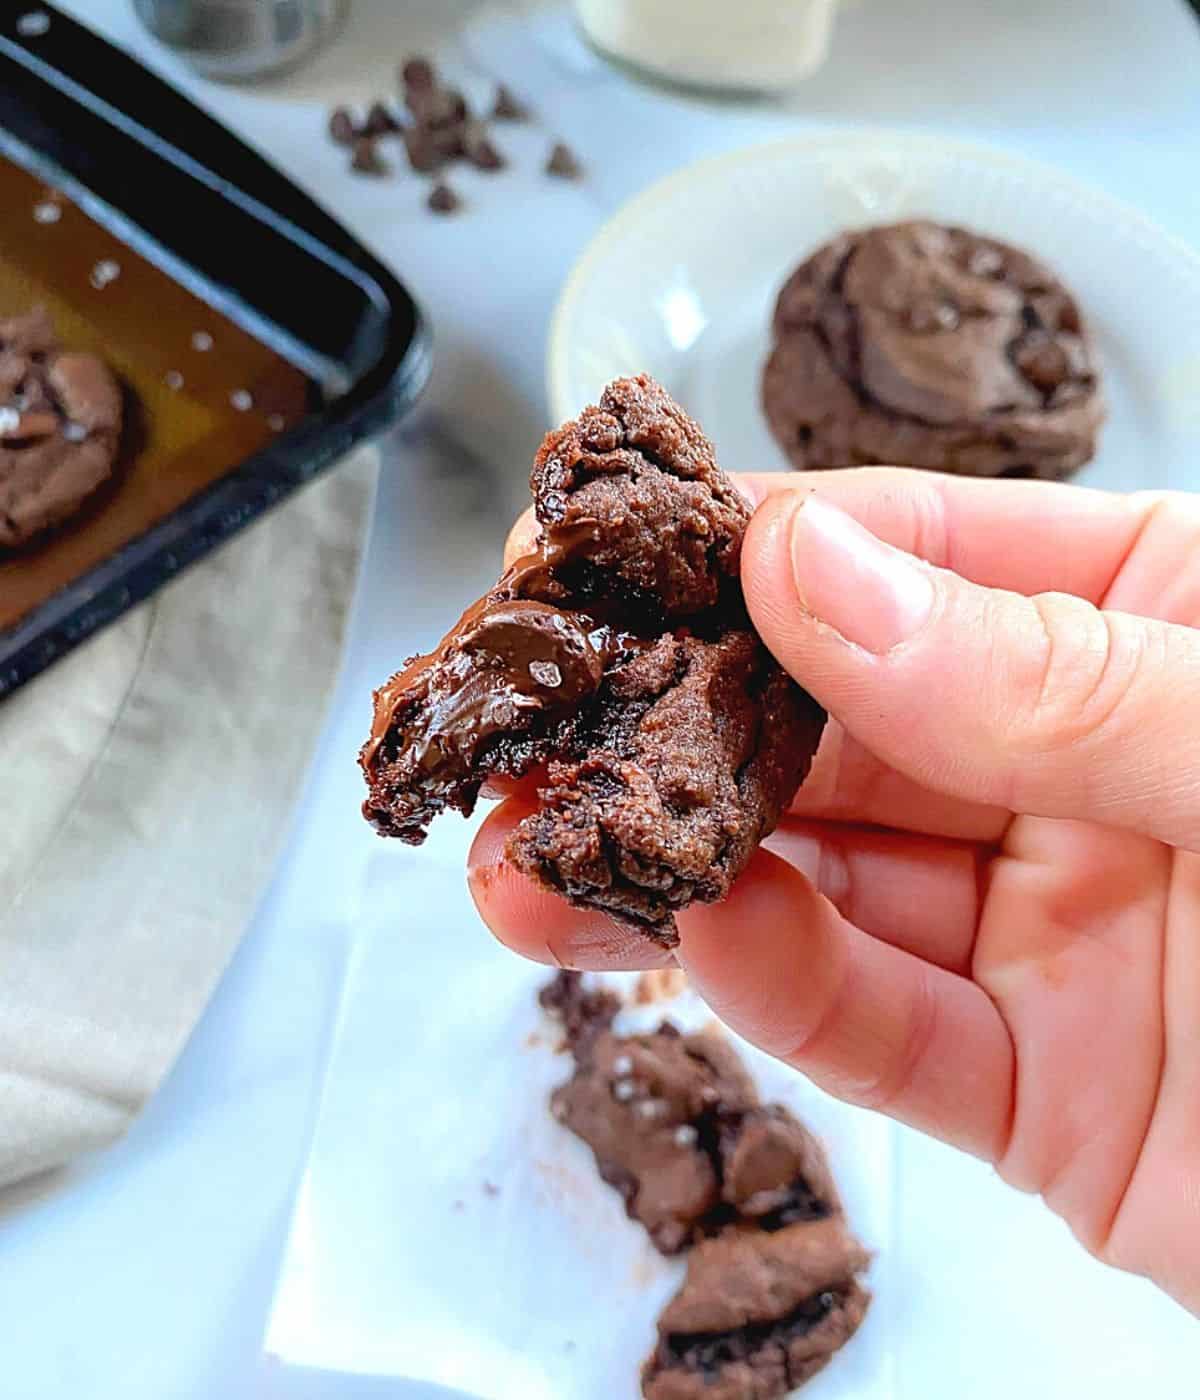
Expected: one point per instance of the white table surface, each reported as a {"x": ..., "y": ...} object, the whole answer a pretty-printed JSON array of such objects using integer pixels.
[{"x": 148, "y": 1273}]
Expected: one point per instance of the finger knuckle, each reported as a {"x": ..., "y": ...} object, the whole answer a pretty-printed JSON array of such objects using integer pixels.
[
  {"x": 886, "y": 1088},
  {"x": 1084, "y": 666}
]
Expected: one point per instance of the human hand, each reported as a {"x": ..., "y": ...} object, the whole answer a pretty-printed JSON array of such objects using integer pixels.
[{"x": 982, "y": 916}]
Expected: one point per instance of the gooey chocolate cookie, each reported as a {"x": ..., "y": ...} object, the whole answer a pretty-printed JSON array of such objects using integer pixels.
[
  {"x": 619, "y": 655},
  {"x": 919, "y": 345},
  {"x": 60, "y": 426}
]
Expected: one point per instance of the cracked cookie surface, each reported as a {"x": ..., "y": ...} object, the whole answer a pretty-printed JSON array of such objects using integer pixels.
[{"x": 921, "y": 345}]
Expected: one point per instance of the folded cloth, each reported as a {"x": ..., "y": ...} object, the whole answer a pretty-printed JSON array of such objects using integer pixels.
[{"x": 147, "y": 784}]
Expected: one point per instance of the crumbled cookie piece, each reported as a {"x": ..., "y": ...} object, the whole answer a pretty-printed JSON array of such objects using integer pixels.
[{"x": 759, "y": 1313}]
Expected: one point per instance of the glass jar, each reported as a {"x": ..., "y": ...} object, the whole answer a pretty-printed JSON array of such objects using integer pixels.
[{"x": 751, "y": 46}]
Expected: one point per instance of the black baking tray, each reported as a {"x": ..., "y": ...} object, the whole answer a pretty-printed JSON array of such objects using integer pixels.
[{"x": 191, "y": 198}]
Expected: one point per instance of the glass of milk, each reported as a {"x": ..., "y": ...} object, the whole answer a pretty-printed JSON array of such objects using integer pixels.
[{"x": 753, "y": 46}]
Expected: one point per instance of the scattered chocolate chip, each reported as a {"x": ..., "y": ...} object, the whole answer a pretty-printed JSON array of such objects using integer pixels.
[
  {"x": 366, "y": 158},
  {"x": 436, "y": 106},
  {"x": 417, "y": 72},
  {"x": 478, "y": 148},
  {"x": 442, "y": 199},
  {"x": 562, "y": 162},
  {"x": 422, "y": 149},
  {"x": 491, "y": 1189},
  {"x": 507, "y": 108},
  {"x": 380, "y": 121},
  {"x": 342, "y": 126},
  {"x": 447, "y": 141}
]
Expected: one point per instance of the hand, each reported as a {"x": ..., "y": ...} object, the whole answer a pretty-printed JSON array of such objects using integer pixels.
[{"x": 983, "y": 914}]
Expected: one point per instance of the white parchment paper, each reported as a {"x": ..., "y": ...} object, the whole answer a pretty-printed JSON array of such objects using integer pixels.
[{"x": 448, "y": 1229}]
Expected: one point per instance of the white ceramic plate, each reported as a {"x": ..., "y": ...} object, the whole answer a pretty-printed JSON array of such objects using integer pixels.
[{"x": 682, "y": 280}]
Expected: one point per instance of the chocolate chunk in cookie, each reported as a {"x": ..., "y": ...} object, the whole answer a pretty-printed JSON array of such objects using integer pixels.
[
  {"x": 926, "y": 346},
  {"x": 619, "y": 654},
  {"x": 60, "y": 427},
  {"x": 759, "y": 1313}
]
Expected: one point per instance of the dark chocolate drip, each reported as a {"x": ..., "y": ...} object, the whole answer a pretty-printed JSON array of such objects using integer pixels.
[{"x": 543, "y": 657}]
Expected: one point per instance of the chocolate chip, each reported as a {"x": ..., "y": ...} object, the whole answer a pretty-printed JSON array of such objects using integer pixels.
[
  {"x": 422, "y": 149},
  {"x": 417, "y": 72},
  {"x": 562, "y": 162},
  {"x": 436, "y": 107},
  {"x": 507, "y": 108},
  {"x": 380, "y": 121},
  {"x": 342, "y": 126},
  {"x": 442, "y": 199},
  {"x": 478, "y": 149},
  {"x": 366, "y": 158},
  {"x": 447, "y": 141}
]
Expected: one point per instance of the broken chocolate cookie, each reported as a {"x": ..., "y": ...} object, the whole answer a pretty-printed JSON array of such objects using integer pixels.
[
  {"x": 773, "y": 1284},
  {"x": 677, "y": 1128},
  {"x": 759, "y": 1313},
  {"x": 617, "y": 653},
  {"x": 60, "y": 427}
]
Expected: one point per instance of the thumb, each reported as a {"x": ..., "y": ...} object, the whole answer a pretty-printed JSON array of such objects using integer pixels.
[{"x": 1044, "y": 705}]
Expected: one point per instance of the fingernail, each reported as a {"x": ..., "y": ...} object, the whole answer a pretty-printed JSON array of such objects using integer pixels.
[{"x": 873, "y": 595}]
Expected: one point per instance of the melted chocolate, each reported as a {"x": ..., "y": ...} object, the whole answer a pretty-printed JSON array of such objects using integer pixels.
[{"x": 544, "y": 658}]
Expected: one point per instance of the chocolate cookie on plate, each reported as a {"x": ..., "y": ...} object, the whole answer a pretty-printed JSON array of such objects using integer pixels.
[{"x": 919, "y": 345}]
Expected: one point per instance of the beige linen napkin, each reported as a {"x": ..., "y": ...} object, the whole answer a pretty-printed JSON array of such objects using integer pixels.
[{"x": 147, "y": 781}]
